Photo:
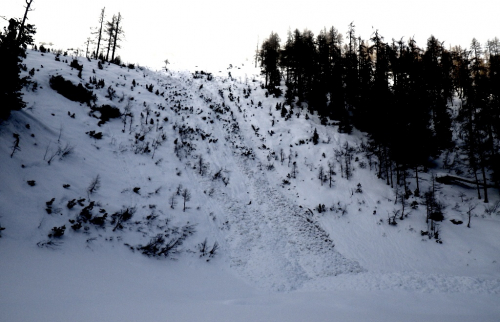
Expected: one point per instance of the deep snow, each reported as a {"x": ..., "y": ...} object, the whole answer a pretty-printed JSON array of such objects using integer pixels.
[{"x": 279, "y": 259}]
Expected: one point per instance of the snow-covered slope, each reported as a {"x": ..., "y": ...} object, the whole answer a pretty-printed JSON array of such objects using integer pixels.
[{"x": 252, "y": 188}]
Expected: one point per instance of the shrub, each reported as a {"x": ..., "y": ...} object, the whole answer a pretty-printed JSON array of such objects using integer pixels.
[
  {"x": 74, "y": 64},
  {"x": 315, "y": 137},
  {"x": 57, "y": 232},
  {"x": 118, "y": 218},
  {"x": 107, "y": 112},
  {"x": 76, "y": 93}
]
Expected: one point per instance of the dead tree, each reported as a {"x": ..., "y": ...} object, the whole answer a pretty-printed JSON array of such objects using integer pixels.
[
  {"x": 21, "y": 28},
  {"x": 99, "y": 32},
  {"x": 186, "y": 196},
  {"x": 470, "y": 209},
  {"x": 331, "y": 172},
  {"x": 15, "y": 147},
  {"x": 118, "y": 32}
]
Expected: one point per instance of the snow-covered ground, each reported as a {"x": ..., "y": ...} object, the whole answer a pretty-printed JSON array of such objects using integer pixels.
[{"x": 278, "y": 258}]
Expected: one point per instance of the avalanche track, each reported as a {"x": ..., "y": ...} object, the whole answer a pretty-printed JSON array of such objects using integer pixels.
[
  {"x": 267, "y": 237},
  {"x": 274, "y": 242}
]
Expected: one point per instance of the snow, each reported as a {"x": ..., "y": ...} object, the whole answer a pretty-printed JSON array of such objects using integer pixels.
[{"x": 279, "y": 259}]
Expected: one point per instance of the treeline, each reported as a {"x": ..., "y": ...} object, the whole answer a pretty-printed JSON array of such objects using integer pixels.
[{"x": 410, "y": 100}]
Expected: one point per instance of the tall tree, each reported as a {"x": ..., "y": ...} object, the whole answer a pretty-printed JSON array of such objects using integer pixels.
[
  {"x": 21, "y": 27},
  {"x": 110, "y": 32},
  {"x": 336, "y": 85},
  {"x": 269, "y": 60},
  {"x": 99, "y": 32},
  {"x": 118, "y": 33},
  {"x": 493, "y": 107},
  {"x": 13, "y": 44},
  {"x": 437, "y": 66},
  {"x": 351, "y": 68}
]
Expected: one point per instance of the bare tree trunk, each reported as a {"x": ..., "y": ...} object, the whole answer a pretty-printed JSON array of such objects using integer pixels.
[
  {"x": 101, "y": 20},
  {"x": 416, "y": 177},
  {"x": 485, "y": 186},
  {"x": 387, "y": 166},
  {"x": 115, "y": 38},
  {"x": 21, "y": 28},
  {"x": 392, "y": 181},
  {"x": 477, "y": 184}
]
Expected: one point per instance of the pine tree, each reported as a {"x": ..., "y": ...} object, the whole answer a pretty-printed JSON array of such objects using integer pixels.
[
  {"x": 269, "y": 60},
  {"x": 12, "y": 50},
  {"x": 437, "y": 67}
]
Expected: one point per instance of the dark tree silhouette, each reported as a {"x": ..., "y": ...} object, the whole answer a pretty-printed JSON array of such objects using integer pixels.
[
  {"x": 98, "y": 32},
  {"x": 13, "y": 43}
]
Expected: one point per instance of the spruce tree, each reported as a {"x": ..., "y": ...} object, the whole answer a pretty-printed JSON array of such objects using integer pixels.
[{"x": 12, "y": 51}]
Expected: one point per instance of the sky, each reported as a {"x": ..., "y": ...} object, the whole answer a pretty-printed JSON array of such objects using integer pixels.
[{"x": 216, "y": 33}]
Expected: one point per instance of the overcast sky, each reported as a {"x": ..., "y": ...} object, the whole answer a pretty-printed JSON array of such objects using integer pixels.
[{"x": 216, "y": 33}]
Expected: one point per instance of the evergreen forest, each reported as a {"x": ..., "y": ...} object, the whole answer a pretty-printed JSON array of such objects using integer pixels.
[{"x": 417, "y": 103}]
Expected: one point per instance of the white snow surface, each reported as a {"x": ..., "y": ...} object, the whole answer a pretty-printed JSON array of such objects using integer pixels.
[{"x": 279, "y": 259}]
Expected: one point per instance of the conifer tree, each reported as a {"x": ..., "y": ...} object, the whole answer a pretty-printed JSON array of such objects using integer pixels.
[
  {"x": 13, "y": 43},
  {"x": 269, "y": 60}
]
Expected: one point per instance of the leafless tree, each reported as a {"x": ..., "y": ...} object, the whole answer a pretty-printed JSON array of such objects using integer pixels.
[
  {"x": 21, "y": 28},
  {"x": 172, "y": 201},
  {"x": 15, "y": 147},
  {"x": 331, "y": 172},
  {"x": 321, "y": 174},
  {"x": 117, "y": 36},
  {"x": 186, "y": 196},
  {"x": 470, "y": 209},
  {"x": 95, "y": 184},
  {"x": 110, "y": 32},
  {"x": 99, "y": 32}
]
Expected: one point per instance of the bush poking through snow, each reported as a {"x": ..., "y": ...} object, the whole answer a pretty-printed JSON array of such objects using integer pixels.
[
  {"x": 205, "y": 249},
  {"x": 57, "y": 232},
  {"x": 172, "y": 201},
  {"x": 61, "y": 152},
  {"x": 321, "y": 208},
  {"x": 159, "y": 246},
  {"x": 315, "y": 137},
  {"x": 74, "y": 64},
  {"x": 99, "y": 221},
  {"x": 122, "y": 216},
  {"x": 111, "y": 93},
  {"x": 107, "y": 112},
  {"x": 94, "y": 185},
  {"x": 392, "y": 219},
  {"x": 86, "y": 213},
  {"x": 49, "y": 244},
  {"x": 221, "y": 175},
  {"x": 15, "y": 146},
  {"x": 72, "y": 92},
  {"x": 76, "y": 226},
  {"x": 95, "y": 135},
  {"x": 186, "y": 196}
]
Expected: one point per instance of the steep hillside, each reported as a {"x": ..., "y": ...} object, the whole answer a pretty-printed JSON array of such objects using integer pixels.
[{"x": 219, "y": 181}]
